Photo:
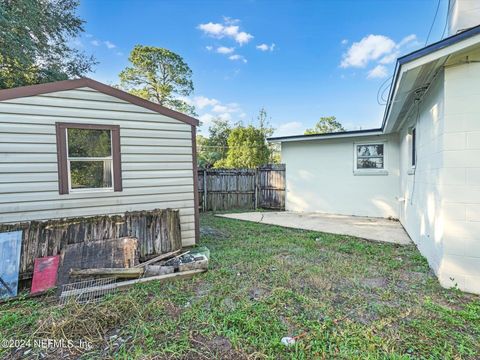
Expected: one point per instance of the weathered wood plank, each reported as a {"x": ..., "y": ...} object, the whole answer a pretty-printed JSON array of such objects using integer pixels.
[
  {"x": 120, "y": 273},
  {"x": 112, "y": 253}
]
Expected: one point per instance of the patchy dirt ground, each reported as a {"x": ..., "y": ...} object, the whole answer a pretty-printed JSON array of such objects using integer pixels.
[{"x": 348, "y": 299}]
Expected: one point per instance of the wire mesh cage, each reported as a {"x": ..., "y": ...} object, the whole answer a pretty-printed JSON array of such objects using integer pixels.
[{"x": 87, "y": 291}]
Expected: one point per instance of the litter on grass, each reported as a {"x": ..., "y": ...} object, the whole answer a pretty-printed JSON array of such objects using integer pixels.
[{"x": 288, "y": 341}]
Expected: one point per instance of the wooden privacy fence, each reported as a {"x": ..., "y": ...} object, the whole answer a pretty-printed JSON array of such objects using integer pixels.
[
  {"x": 226, "y": 189},
  {"x": 157, "y": 231}
]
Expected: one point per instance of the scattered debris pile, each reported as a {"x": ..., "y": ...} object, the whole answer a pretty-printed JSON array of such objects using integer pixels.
[
  {"x": 98, "y": 281},
  {"x": 86, "y": 271},
  {"x": 197, "y": 259}
]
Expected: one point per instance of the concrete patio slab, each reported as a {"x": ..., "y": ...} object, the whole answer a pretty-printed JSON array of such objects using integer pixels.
[{"x": 376, "y": 229}]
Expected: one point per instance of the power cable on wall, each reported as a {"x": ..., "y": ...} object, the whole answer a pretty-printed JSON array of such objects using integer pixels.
[{"x": 416, "y": 151}]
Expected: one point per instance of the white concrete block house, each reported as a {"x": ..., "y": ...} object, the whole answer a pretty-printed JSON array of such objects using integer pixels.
[
  {"x": 421, "y": 167},
  {"x": 138, "y": 155}
]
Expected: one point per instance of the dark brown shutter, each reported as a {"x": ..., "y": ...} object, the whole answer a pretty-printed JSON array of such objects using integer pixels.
[
  {"x": 117, "y": 159},
  {"x": 62, "y": 158}
]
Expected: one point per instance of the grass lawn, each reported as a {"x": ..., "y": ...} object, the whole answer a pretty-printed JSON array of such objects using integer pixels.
[{"x": 348, "y": 298}]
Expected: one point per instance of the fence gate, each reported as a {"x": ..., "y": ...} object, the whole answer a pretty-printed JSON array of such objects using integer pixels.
[
  {"x": 226, "y": 189},
  {"x": 271, "y": 186}
]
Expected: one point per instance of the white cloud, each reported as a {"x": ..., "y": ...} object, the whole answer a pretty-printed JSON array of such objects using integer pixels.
[
  {"x": 243, "y": 37},
  {"x": 378, "y": 72},
  {"x": 87, "y": 35},
  {"x": 109, "y": 44},
  {"x": 225, "y": 50},
  {"x": 220, "y": 108},
  {"x": 227, "y": 29},
  {"x": 95, "y": 42},
  {"x": 407, "y": 40},
  {"x": 209, "y": 48},
  {"x": 344, "y": 41},
  {"x": 390, "y": 58},
  {"x": 226, "y": 108},
  {"x": 212, "y": 29},
  {"x": 289, "y": 128},
  {"x": 231, "y": 30},
  {"x": 237, "y": 57},
  {"x": 265, "y": 47},
  {"x": 211, "y": 108},
  {"x": 207, "y": 118},
  {"x": 378, "y": 50},
  {"x": 201, "y": 102},
  {"x": 370, "y": 48},
  {"x": 230, "y": 21}
]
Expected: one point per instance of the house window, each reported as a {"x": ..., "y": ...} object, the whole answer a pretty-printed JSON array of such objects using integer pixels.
[
  {"x": 88, "y": 158},
  {"x": 369, "y": 157},
  {"x": 414, "y": 147}
]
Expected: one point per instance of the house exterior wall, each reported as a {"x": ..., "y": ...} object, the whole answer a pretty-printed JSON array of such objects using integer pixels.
[
  {"x": 461, "y": 177},
  {"x": 421, "y": 208},
  {"x": 441, "y": 211},
  {"x": 320, "y": 178},
  {"x": 156, "y": 155}
]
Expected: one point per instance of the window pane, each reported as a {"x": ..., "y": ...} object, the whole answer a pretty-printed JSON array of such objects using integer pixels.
[
  {"x": 370, "y": 150},
  {"x": 91, "y": 174},
  {"x": 89, "y": 143},
  {"x": 370, "y": 163}
]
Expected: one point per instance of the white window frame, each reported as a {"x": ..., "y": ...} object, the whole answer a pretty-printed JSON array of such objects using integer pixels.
[
  {"x": 383, "y": 171},
  {"x": 103, "y": 159}
]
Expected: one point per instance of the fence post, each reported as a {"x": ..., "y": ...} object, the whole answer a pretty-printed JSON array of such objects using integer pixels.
[
  {"x": 255, "y": 194},
  {"x": 205, "y": 208}
]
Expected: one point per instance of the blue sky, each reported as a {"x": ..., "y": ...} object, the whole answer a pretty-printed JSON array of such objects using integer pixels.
[{"x": 299, "y": 59}]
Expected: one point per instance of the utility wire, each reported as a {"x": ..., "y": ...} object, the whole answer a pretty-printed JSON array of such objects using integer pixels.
[
  {"x": 380, "y": 96},
  {"x": 381, "y": 90},
  {"x": 449, "y": 9},
  {"x": 433, "y": 22}
]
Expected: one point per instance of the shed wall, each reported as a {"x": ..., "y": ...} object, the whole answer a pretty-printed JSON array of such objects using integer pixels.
[{"x": 156, "y": 150}]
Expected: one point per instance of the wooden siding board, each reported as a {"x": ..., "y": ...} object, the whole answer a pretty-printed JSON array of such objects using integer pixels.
[{"x": 156, "y": 159}]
